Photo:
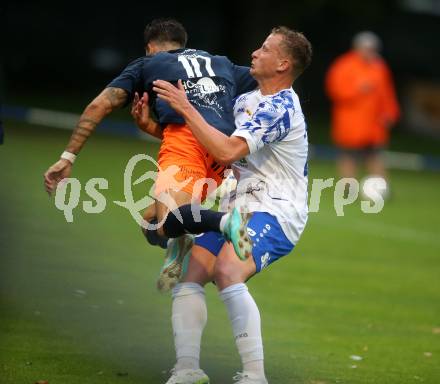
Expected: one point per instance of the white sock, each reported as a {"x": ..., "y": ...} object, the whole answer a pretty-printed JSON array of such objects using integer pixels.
[
  {"x": 189, "y": 316},
  {"x": 246, "y": 326},
  {"x": 223, "y": 221}
]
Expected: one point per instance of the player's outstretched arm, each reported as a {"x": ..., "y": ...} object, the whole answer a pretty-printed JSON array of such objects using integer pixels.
[
  {"x": 141, "y": 115},
  {"x": 107, "y": 101},
  {"x": 224, "y": 149}
]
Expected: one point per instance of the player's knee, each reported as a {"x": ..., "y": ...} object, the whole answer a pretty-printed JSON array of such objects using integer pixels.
[
  {"x": 172, "y": 226},
  {"x": 160, "y": 221},
  {"x": 227, "y": 272},
  {"x": 144, "y": 227},
  {"x": 161, "y": 232},
  {"x": 146, "y": 223},
  {"x": 152, "y": 234}
]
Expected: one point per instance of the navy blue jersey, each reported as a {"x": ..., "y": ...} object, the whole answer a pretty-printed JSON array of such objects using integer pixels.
[{"x": 211, "y": 82}]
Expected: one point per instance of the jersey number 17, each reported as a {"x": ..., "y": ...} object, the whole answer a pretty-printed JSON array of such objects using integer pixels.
[{"x": 192, "y": 66}]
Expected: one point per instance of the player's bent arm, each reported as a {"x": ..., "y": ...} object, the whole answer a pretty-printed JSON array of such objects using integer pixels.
[
  {"x": 140, "y": 111},
  {"x": 107, "y": 101},
  {"x": 224, "y": 149},
  {"x": 152, "y": 128}
]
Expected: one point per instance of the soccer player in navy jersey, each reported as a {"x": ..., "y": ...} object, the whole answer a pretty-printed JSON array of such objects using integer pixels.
[
  {"x": 268, "y": 153},
  {"x": 210, "y": 81}
]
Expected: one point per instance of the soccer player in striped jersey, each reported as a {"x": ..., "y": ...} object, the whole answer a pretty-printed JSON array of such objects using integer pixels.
[{"x": 268, "y": 153}]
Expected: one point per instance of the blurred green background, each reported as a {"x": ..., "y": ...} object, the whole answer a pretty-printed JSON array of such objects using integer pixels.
[{"x": 78, "y": 300}]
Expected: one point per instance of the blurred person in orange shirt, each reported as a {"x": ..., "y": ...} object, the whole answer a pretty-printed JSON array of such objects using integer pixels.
[{"x": 364, "y": 106}]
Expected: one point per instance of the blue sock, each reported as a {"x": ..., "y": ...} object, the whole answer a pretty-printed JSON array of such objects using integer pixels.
[{"x": 153, "y": 237}]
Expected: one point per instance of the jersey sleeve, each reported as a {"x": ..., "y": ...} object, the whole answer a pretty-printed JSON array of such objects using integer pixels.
[
  {"x": 130, "y": 79},
  {"x": 269, "y": 124},
  {"x": 243, "y": 80}
]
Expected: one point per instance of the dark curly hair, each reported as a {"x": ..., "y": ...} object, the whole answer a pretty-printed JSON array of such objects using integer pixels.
[{"x": 165, "y": 31}]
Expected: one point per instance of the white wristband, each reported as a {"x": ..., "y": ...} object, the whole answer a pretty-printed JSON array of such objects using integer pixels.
[{"x": 68, "y": 156}]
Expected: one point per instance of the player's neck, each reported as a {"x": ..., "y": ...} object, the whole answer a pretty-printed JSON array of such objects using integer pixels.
[
  {"x": 169, "y": 46},
  {"x": 272, "y": 86},
  {"x": 154, "y": 48}
]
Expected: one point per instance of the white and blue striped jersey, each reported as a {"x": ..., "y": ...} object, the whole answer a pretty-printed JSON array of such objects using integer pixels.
[{"x": 273, "y": 177}]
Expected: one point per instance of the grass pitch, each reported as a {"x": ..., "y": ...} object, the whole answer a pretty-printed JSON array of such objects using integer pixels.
[{"x": 358, "y": 301}]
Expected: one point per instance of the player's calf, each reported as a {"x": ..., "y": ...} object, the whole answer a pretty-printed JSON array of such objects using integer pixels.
[{"x": 192, "y": 218}]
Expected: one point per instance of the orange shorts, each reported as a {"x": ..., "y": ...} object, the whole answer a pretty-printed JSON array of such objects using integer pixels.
[{"x": 184, "y": 164}]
